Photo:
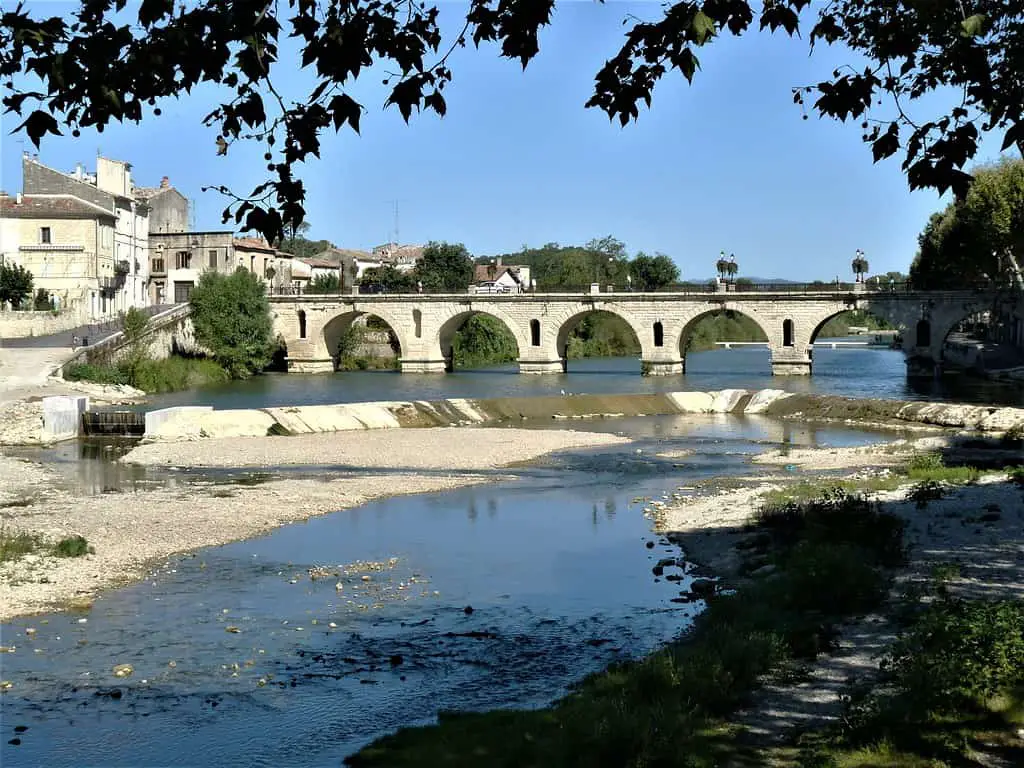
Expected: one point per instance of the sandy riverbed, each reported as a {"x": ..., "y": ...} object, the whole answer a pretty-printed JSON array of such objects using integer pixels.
[{"x": 130, "y": 530}]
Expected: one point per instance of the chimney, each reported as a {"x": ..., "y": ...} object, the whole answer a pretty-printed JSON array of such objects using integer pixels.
[
  {"x": 499, "y": 261},
  {"x": 18, "y": 199},
  {"x": 165, "y": 183}
]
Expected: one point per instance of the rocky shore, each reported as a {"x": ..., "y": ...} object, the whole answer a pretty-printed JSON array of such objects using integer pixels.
[{"x": 129, "y": 531}]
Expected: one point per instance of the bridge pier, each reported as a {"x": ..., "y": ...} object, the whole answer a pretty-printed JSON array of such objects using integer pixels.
[
  {"x": 310, "y": 366},
  {"x": 424, "y": 366},
  {"x": 662, "y": 367},
  {"x": 541, "y": 366},
  {"x": 792, "y": 360}
]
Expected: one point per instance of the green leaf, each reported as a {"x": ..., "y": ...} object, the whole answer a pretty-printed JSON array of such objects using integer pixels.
[
  {"x": 703, "y": 27},
  {"x": 974, "y": 26}
]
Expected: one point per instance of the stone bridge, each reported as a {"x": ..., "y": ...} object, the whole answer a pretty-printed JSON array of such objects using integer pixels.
[{"x": 425, "y": 325}]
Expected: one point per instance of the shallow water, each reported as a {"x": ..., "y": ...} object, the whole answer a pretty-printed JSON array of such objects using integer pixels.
[
  {"x": 851, "y": 372},
  {"x": 555, "y": 566}
]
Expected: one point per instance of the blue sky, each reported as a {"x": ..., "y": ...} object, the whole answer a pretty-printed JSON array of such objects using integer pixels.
[{"x": 726, "y": 163}]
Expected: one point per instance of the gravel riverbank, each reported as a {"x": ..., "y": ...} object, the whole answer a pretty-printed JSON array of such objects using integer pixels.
[{"x": 130, "y": 530}]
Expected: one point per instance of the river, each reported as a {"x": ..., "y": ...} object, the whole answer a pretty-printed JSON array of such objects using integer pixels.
[
  {"x": 554, "y": 565},
  {"x": 852, "y": 372}
]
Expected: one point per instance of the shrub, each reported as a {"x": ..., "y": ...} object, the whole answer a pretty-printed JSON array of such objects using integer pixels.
[
  {"x": 100, "y": 374},
  {"x": 16, "y": 545},
  {"x": 231, "y": 316},
  {"x": 72, "y": 546}
]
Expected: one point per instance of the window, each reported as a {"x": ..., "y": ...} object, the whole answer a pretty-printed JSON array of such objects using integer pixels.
[
  {"x": 535, "y": 333},
  {"x": 183, "y": 260},
  {"x": 44, "y": 235},
  {"x": 787, "y": 333},
  {"x": 417, "y": 319},
  {"x": 302, "y": 324},
  {"x": 924, "y": 333},
  {"x": 182, "y": 292},
  {"x": 157, "y": 267},
  {"x": 213, "y": 258},
  {"x": 659, "y": 334}
]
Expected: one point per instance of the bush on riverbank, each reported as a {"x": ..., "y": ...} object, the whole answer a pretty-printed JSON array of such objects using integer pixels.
[
  {"x": 664, "y": 709},
  {"x": 154, "y": 376},
  {"x": 951, "y": 692}
]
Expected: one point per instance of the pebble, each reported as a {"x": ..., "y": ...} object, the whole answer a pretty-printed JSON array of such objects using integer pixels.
[
  {"x": 30, "y": 630},
  {"x": 332, "y": 625},
  {"x": 83, "y": 621},
  {"x": 232, "y": 630},
  {"x": 123, "y": 670}
]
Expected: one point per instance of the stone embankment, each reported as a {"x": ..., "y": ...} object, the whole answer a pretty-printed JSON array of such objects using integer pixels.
[{"x": 191, "y": 423}]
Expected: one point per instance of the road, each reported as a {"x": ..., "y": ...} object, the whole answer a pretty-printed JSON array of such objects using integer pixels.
[{"x": 93, "y": 332}]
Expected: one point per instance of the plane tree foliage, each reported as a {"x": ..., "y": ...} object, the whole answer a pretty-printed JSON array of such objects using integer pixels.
[
  {"x": 979, "y": 238},
  {"x": 110, "y": 62}
]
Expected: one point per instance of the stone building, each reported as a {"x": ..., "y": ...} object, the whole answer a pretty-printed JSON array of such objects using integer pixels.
[
  {"x": 179, "y": 258},
  {"x": 83, "y": 235},
  {"x": 168, "y": 208},
  {"x": 272, "y": 266}
]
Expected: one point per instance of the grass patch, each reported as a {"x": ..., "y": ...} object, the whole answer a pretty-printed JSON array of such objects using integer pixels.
[
  {"x": 668, "y": 708},
  {"x": 172, "y": 374},
  {"x": 14, "y": 546}
]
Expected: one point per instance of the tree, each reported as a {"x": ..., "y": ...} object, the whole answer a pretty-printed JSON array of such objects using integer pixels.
[
  {"x": 231, "y": 316},
  {"x": 387, "y": 278},
  {"x": 445, "y": 266},
  {"x": 330, "y": 283},
  {"x": 979, "y": 238},
  {"x": 650, "y": 273},
  {"x": 15, "y": 284},
  {"x": 105, "y": 64}
]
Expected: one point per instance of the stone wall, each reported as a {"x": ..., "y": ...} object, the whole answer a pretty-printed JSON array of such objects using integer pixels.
[{"x": 20, "y": 325}]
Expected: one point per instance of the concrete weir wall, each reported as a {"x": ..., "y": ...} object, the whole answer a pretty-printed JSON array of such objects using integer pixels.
[
  {"x": 62, "y": 417},
  {"x": 192, "y": 423}
]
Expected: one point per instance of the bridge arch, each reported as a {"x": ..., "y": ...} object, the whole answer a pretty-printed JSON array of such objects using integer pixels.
[
  {"x": 560, "y": 330},
  {"x": 692, "y": 320},
  {"x": 451, "y": 326},
  {"x": 335, "y": 328},
  {"x": 899, "y": 324}
]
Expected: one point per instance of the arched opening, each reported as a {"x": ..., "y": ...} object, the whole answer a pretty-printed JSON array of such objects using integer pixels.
[
  {"x": 923, "y": 334},
  {"x": 787, "y": 333},
  {"x": 596, "y": 334},
  {"x": 357, "y": 341},
  {"x": 719, "y": 330},
  {"x": 302, "y": 323},
  {"x": 417, "y": 321},
  {"x": 535, "y": 333},
  {"x": 477, "y": 340},
  {"x": 659, "y": 334},
  {"x": 986, "y": 338},
  {"x": 857, "y": 325}
]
